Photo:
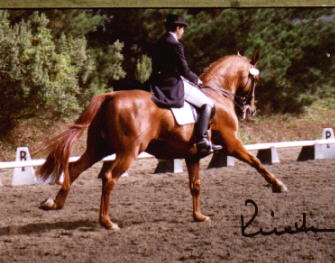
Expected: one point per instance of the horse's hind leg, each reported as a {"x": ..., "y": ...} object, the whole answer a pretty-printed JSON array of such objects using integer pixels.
[
  {"x": 109, "y": 180},
  {"x": 75, "y": 169},
  {"x": 193, "y": 166},
  {"x": 234, "y": 147}
]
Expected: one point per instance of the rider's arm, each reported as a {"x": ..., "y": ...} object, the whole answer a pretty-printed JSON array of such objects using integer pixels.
[{"x": 182, "y": 65}]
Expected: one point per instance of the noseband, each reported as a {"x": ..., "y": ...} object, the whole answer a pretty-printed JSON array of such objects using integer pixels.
[{"x": 243, "y": 102}]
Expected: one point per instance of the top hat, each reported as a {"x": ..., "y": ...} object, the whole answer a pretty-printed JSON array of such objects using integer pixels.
[{"x": 172, "y": 19}]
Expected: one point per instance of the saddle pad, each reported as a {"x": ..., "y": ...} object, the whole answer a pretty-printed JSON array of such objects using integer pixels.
[{"x": 185, "y": 115}]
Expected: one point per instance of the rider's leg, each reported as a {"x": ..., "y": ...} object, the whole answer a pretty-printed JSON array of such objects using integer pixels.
[
  {"x": 204, "y": 145},
  {"x": 205, "y": 107}
]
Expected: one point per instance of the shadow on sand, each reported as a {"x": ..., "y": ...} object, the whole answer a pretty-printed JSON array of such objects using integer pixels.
[{"x": 45, "y": 227}]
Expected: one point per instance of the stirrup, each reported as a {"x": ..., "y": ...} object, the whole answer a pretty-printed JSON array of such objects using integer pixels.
[
  {"x": 206, "y": 147},
  {"x": 216, "y": 147}
]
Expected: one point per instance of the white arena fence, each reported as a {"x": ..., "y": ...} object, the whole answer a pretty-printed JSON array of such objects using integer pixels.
[
  {"x": 267, "y": 153},
  {"x": 40, "y": 162},
  {"x": 259, "y": 146}
]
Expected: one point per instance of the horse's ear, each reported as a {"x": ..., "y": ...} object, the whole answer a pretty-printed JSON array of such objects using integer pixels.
[
  {"x": 238, "y": 53},
  {"x": 255, "y": 58}
]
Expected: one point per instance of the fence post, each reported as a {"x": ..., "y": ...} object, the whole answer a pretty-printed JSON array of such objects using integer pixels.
[
  {"x": 221, "y": 159},
  {"x": 268, "y": 156},
  {"x": 171, "y": 165},
  {"x": 307, "y": 153}
]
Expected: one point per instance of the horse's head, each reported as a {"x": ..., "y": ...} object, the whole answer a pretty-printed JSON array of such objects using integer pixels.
[
  {"x": 235, "y": 77},
  {"x": 245, "y": 105}
]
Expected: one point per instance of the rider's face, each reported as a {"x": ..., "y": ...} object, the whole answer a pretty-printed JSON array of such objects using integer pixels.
[{"x": 180, "y": 31}]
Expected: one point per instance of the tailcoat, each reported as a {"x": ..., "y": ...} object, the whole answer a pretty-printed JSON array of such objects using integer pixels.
[{"x": 169, "y": 66}]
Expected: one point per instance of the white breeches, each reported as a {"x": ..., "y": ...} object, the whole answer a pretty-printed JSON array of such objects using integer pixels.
[{"x": 195, "y": 96}]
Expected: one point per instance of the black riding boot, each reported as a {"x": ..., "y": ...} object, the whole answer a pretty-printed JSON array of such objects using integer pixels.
[{"x": 204, "y": 145}]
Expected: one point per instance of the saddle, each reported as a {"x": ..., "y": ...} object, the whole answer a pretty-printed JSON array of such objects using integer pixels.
[{"x": 186, "y": 114}]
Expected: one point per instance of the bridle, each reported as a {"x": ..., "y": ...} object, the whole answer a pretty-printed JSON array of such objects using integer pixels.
[{"x": 242, "y": 102}]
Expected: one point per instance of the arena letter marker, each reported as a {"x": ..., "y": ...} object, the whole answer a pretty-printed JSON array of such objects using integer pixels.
[
  {"x": 23, "y": 175},
  {"x": 325, "y": 151}
]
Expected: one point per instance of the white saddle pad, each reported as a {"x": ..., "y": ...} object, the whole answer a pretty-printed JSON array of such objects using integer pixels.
[{"x": 185, "y": 115}]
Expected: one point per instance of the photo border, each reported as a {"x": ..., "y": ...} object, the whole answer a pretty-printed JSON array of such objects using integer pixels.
[{"x": 162, "y": 3}]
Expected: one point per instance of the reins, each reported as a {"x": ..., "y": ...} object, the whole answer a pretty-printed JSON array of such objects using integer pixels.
[
  {"x": 239, "y": 101},
  {"x": 233, "y": 97},
  {"x": 225, "y": 93}
]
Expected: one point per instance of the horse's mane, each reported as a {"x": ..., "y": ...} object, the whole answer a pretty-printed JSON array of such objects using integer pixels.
[{"x": 220, "y": 63}]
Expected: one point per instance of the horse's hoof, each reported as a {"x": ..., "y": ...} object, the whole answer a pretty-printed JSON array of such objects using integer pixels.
[
  {"x": 279, "y": 188},
  {"x": 201, "y": 218},
  {"x": 110, "y": 225},
  {"x": 48, "y": 204},
  {"x": 114, "y": 227}
]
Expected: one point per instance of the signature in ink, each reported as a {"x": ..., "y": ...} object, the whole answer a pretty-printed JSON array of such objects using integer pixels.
[{"x": 287, "y": 230}]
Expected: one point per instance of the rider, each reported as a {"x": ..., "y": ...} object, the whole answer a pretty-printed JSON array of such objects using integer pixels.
[{"x": 173, "y": 82}]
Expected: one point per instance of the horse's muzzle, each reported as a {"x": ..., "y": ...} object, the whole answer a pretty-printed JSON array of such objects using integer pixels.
[{"x": 248, "y": 112}]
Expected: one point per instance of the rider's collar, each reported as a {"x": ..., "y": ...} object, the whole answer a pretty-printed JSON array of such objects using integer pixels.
[{"x": 174, "y": 35}]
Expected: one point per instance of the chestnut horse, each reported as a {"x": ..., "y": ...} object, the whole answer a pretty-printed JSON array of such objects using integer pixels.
[{"x": 128, "y": 122}]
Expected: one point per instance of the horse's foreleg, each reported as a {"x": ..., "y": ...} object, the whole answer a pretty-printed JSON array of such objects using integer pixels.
[
  {"x": 109, "y": 180},
  {"x": 235, "y": 148},
  {"x": 75, "y": 169},
  {"x": 193, "y": 166}
]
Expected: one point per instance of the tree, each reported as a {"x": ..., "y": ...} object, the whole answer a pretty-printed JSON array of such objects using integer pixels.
[
  {"x": 296, "y": 45},
  {"x": 53, "y": 61},
  {"x": 41, "y": 73},
  {"x": 143, "y": 69}
]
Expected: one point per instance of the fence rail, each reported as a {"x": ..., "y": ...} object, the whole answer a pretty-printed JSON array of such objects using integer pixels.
[
  {"x": 263, "y": 146},
  {"x": 259, "y": 146},
  {"x": 39, "y": 162}
]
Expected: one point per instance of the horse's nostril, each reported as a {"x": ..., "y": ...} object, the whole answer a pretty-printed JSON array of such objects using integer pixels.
[{"x": 249, "y": 112}]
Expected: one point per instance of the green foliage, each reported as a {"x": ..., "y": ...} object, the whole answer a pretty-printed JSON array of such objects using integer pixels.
[
  {"x": 33, "y": 76},
  {"x": 73, "y": 22},
  {"x": 103, "y": 65},
  {"x": 294, "y": 62},
  {"x": 297, "y": 47},
  {"x": 143, "y": 69},
  {"x": 51, "y": 62},
  {"x": 47, "y": 76}
]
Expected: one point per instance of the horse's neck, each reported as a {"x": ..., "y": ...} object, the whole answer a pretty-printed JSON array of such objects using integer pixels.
[
  {"x": 222, "y": 83},
  {"x": 226, "y": 74},
  {"x": 222, "y": 79}
]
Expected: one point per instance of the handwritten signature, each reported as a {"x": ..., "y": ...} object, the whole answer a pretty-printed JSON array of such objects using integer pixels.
[{"x": 287, "y": 230}]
